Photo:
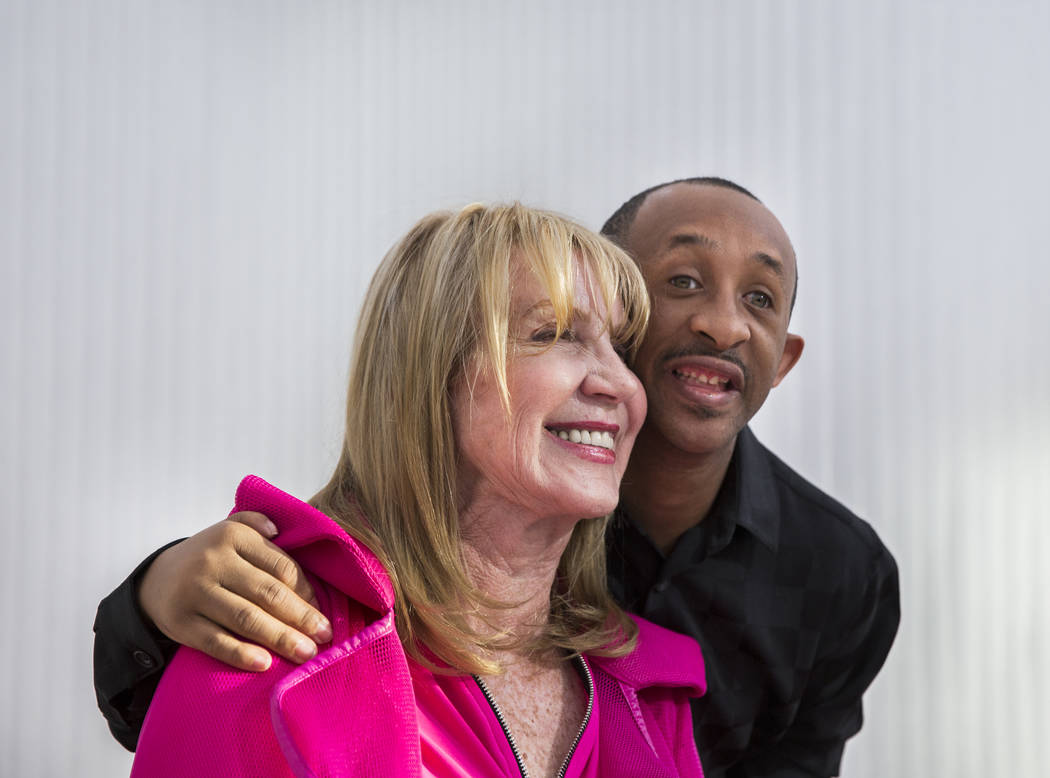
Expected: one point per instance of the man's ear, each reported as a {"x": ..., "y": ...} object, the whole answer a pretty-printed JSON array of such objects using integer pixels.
[{"x": 792, "y": 351}]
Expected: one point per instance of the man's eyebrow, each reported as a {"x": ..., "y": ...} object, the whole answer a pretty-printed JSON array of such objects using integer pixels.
[
  {"x": 703, "y": 241},
  {"x": 772, "y": 263},
  {"x": 692, "y": 239}
]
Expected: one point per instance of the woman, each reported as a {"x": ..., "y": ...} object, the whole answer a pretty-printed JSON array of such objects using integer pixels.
[{"x": 489, "y": 419}]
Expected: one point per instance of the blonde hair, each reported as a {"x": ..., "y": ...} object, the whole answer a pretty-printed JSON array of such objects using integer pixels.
[{"x": 440, "y": 299}]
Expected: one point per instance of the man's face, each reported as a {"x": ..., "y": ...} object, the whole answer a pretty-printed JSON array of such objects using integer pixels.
[{"x": 721, "y": 272}]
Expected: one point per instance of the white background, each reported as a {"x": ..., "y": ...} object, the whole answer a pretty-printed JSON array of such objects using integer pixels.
[{"x": 193, "y": 194}]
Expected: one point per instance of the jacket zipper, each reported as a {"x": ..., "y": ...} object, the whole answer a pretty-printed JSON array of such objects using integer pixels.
[
  {"x": 503, "y": 724},
  {"x": 588, "y": 679}
]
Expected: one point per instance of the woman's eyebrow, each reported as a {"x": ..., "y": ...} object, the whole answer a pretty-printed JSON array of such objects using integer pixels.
[
  {"x": 546, "y": 308},
  {"x": 538, "y": 307}
]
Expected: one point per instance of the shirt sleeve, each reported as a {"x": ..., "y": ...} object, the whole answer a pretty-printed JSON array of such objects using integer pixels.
[
  {"x": 830, "y": 711},
  {"x": 130, "y": 654}
]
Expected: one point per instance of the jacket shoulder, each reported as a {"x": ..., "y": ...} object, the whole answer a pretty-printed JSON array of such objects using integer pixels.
[
  {"x": 319, "y": 544},
  {"x": 661, "y": 658}
]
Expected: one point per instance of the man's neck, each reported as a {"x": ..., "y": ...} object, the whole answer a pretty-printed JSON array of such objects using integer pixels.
[{"x": 666, "y": 491}]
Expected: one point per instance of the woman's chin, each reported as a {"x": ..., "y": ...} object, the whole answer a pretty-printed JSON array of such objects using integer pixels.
[{"x": 592, "y": 506}]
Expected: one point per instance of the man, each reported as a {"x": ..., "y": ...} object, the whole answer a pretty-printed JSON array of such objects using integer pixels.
[{"x": 793, "y": 599}]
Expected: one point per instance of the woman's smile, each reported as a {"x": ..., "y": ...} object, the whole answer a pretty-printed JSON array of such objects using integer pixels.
[{"x": 589, "y": 440}]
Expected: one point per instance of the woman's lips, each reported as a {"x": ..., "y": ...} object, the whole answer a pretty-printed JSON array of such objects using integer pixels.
[{"x": 592, "y": 441}]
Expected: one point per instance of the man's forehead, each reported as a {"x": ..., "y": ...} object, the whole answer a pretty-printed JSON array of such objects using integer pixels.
[{"x": 701, "y": 214}]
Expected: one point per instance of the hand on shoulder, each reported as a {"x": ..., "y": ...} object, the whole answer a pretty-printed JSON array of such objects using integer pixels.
[{"x": 230, "y": 592}]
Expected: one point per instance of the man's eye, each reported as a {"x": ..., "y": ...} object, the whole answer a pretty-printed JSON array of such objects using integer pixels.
[
  {"x": 685, "y": 282},
  {"x": 760, "y": 299}
]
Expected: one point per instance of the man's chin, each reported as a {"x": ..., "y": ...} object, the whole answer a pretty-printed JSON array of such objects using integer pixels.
[{"x": 700, "y": 431}]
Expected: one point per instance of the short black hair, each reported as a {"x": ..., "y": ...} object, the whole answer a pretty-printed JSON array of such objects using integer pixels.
[{"x": 617, "y": 226}]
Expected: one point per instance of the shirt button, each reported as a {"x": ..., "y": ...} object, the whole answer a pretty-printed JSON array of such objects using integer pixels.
[
  {"x": 661, "y": 586},
  {"x": 144, "y": 659}
]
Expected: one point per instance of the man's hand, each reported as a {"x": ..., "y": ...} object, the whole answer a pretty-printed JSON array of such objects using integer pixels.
[{"x": 229, "y": 582}]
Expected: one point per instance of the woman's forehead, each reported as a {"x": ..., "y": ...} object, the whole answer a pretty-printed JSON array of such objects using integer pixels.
[{"x": 529, "y": 292}]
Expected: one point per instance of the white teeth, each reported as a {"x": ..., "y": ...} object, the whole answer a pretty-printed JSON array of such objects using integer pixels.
[{"x": 587, "y": 437}]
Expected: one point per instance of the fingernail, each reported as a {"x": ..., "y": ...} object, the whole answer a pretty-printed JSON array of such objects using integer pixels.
[
  {"x": 305, "y": 649},
  {"x": 261, "y": 660},
  {"x": 322, "y": 631},
  {"x": 270, "y": 529}
]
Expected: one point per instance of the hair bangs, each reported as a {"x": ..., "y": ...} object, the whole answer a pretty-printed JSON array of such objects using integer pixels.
[{"x": 555, "y": 250}]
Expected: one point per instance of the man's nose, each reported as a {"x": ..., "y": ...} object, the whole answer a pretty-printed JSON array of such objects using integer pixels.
[{"x": 723, "y": 322}]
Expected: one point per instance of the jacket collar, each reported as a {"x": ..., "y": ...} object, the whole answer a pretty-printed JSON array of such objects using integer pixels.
[
  {"x": 320, "y": 545},
  {"x": 661, "y": 658},
  {"x": 324, "y": 712}
]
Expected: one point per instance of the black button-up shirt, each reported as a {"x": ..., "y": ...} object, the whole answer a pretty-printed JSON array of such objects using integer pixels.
[{"x": 795, "y": 603}]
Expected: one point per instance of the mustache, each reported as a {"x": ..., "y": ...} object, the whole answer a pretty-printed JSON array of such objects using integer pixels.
[{"x": 697, "y": 350}]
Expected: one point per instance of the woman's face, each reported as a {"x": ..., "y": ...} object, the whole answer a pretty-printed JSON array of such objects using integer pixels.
[{"x": 575, "y": 411}]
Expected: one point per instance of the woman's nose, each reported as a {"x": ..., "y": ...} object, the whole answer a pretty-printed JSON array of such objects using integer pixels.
[{"x": 608, "y": 376}]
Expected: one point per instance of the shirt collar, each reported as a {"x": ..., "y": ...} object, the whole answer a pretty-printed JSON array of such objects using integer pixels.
[{"x": 757, "y": 503}]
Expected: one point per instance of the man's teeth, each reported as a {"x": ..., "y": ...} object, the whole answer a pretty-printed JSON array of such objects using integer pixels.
[
  {"x": 701, "y": 378},
  {"x": 586, "y": 437}
]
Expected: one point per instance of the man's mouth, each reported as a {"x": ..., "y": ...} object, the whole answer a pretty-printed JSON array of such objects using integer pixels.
[
  {"x": 702, "y": 378},
  {"x": 708, "y": 377}
]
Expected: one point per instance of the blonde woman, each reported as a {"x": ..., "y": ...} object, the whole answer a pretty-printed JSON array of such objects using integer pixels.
[{"x": 457, "y": 549}]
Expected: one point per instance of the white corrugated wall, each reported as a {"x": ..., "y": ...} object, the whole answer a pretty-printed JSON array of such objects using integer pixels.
[{"x": 193, "y": 195}]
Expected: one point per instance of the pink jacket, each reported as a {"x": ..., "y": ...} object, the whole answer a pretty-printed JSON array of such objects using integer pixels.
[{"x": 351, "y": 710}]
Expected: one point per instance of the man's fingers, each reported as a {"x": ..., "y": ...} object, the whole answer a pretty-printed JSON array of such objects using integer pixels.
[
  {"x": 254, "y": 584},
  {"x": 269, "y": 558},
  {"x": 257, "y": 521},
  {"x": 247, "y": 620},
  {"x": 207, "y": 636},
  {"x": 227, "y": 585}
]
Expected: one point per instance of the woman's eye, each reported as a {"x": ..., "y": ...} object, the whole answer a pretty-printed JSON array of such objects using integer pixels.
[
  {"x": 685, "y": 282},
  {"x": 550, "y": 334},
  {"x": 545, "y": 335},
  {"x": 760, "y": 299}
]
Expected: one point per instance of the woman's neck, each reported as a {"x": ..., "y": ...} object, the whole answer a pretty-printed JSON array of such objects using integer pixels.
[{"x": 513, "y": 558}]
